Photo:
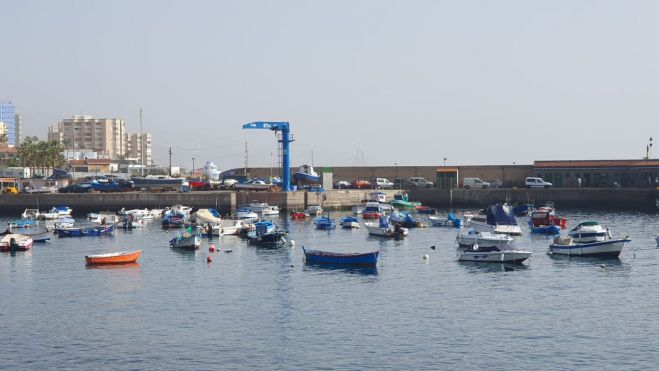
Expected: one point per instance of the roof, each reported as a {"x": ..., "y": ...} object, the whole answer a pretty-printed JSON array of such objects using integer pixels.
[
  {"x": 100, "y": 161},
  {"x": 596, "y": 163}
]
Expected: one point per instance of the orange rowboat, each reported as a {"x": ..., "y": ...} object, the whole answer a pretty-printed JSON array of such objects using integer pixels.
[{"x": 122, "y": 257}]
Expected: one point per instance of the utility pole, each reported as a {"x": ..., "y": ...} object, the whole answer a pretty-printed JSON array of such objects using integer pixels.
[
  {"x": 192, "y": 173},
  {"x": 170, "y": 161},
  {"x": 142, "y": 146},
  {"x": 246, "y": 158}
]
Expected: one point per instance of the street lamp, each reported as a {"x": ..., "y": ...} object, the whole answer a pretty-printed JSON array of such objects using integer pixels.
[
  {"x": 192, "y": 172},
  {"x": 445, "y": 161}
]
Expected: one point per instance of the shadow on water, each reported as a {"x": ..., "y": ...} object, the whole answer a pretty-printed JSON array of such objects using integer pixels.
[
  {"x": 341, "y": 268},
  {"x": 485, "y": 267},
  {"x": 186, "y": 253},
  {"x": 585, "y": 260}
]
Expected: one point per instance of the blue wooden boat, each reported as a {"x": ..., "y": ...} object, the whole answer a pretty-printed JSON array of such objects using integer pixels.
[
  {"x": 327, "y": 257},
  {"x": 324, "y": 222},
  {"x": 266, "y": 233},
  {"x": 450, "y": 221},
  {"x": 85, "y": 231}
]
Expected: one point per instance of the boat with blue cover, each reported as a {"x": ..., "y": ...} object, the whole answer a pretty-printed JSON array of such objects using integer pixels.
[
  {"x": 324, "y": 222},
  {"x": 266, "y": 233},
  {"x": 101, "y": 230},
  {"x": 328, "y": 257},
  {"x": 498, "y": 218},
  {"x": 404, "y": 219},
  {"x": 349, "y": 222},
  {"x": 450, "y": 221}
]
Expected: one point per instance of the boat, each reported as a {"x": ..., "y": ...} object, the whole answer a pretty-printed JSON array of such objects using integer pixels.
[
  {"x": 246, "y": 214},
  {"x": 122, "y": 257},
  {"x": 540, "y": 221},
  {"x": 266, "y": 233},
  {"x": 384, "y": 229},
  {"x": 226, "y": 227},
  {"x": 401, "y": 201},
  {"x": 15, "y": 242},
  {"x": 173, "y": 220},
  {"x": 209, "y": 215},
  {"x": 522, "y": 209},
  {"x": 130, "y": 223},
  {"x": 22, "y": 223},
  {"x": 404, "y": 219},
  {"x": 137, "y": 213},
  {"x": 64, "y": 222},
  {"x": 426, "y": 210},
  {"x": 450, "y": 221},
  {"x": 31, "y": 214},
  {"x": 498, "y": 218},
  {"x": 61, "y": 210},
  {"x": 349, "y": 222},
  {"x": 187, "y": 240},
  {"x": 314, "y": 210},
  {"x": 263, "y": 208},
  {"x": 158, "y": 183},
  {"x": 324, "y": 222},
  {"x": 36, "y": 234},
  {"x": 477, "y": 253},
  {"x": 357, "y": 209},
  {"x": 298, "y": 215},
  {"x": 101, "y": 230},
  {"x": 48, "y": 215},
  {"x": 377, "y": 196},
  {"x": 372, "y": 210},
  {"x": 590, "y": 232},
  {"x": 589, "y": 239},
  {"x": 111, "y": 186},
  {"x": 306, "y": 176},
  {"x": 467, "y": 237},
  {"x": 41, "y": 189},
  {"x": 327, "y": 257}
]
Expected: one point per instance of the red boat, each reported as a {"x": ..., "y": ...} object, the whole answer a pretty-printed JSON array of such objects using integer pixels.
[
  {"x": 556, "y": 220},
  {"x": 372, "y": 210},
  {"x": 199, "y": 185},
  {"x": 299, "y": 215}
]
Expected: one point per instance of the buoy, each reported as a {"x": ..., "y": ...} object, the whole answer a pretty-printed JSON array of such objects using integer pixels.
[
  {"x": 426, "y": 257},
  {"x": 211, "y": 248},
  {"x": 291, "y": 243},
  {"x": 209, "y": 259}
]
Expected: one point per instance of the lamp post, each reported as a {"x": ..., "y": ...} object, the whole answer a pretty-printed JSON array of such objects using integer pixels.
[
  {"x": 192, "y": 172},
  {"x": 445, "y": 161}
]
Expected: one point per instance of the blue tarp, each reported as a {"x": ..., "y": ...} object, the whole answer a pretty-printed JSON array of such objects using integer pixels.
[{"x": 500, "y": 215}]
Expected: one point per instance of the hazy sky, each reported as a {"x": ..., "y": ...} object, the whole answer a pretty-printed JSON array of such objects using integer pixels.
[{"x": 368, "y": 82}]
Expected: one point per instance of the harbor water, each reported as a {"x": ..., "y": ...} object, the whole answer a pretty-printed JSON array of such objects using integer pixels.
[{"x": 256, "y": 308}]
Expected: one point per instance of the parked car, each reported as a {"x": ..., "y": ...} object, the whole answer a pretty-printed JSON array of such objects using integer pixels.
[
  {"x": 76, "y": 188},
  {"x": 342, "y": 184},
  {"x": 533, "y": 182},
  {"x": 468, "y": 183},
  {"x": 361, "y": 184},
  {"x": 382, "y": 183},
  {"x": 402, "y": 183},
  {"x": 419, "y": 182},
  {"x": 495, "y": 183}
]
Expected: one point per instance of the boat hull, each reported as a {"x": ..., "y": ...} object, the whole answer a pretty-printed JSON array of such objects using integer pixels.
[
  {"x": 545, "y": 229},
  {"x": 186, "y": 242},
  {"x": 506, "y": 256},
  {"x": 123, "y": 257},
  {"x": 607, "y": 249},
  {"x": 326, "y": 257},
  {"x": 375, "y": 230}
]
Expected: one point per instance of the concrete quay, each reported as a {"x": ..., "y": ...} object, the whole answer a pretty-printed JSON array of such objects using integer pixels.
[{"x": 225, "y": 201}]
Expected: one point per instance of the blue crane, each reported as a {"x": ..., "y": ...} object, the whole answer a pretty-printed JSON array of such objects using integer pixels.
[{"x": 285, "y": 146}]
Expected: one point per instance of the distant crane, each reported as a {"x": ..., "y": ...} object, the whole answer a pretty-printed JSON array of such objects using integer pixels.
[{"x": 285, "y": 141}]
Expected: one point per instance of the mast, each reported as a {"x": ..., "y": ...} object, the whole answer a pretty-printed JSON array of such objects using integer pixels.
[{"x": 141, "y": 146}]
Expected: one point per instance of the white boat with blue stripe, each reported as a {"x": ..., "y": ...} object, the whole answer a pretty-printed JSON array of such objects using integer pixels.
[{"x": 589, "y": 239}]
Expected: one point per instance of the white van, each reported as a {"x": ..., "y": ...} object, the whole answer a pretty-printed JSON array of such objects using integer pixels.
[
  {"x": 533, "y": 182},
  {"x": 468, "y": 183},
  {"x": 382, "y": 183}
]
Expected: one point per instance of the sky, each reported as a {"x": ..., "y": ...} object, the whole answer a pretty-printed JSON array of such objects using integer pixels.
[{"x": 372, "y": 83}]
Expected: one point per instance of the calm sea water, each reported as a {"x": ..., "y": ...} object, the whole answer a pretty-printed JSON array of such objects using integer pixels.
[{"x": 258, "y": 308}]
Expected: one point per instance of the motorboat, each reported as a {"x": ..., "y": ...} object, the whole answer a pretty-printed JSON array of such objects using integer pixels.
[
  {"x": 266, "y": 233},
  {"x": 136, "y": 213},
  {"x": 426, "y": 210},
  {"x": 327, "y": 257},
  {"x": 401, "y": 201},
  {"x": 450, "y": 221},
  {"x": 467, "y": 237},
  {"x": 22, "y": 223},
  {"x": 349, "y": 222},
  {"x": 498, "y": 218},
  {"x": 589, "y": 232},
  {"x": 314, "y": 210},
  {"x": 478, "y": 253},
  {"x": 41, "y": 234},
  {"x": 324, "y": 222},
  {"x": 404, "y": 219},
  {"x": 209, "y": 215},
  {"x": 384, "y": 229},
  {"x": 15, "y": 242},
  {"x": 155, "y": 213},
  {"x": 306, "y": 176},
  {"x": 122, "y": 257},
  {"x": 188, "y": 241},
  {"x": 101, "y": 230},
  {"x": 540, "y": 221},
  {"x": 357, "y": 209},
  {"x": 227, "y": 227},
  {"x": 246, "y": 214},
  {"x": 31, "y": 214},
  {"x": 61, "y": 210},
  {"x": 372, "y": 210},
  {"x": 64, "y": 222},
  {"x": 264, "y": 209},
  {"x": 49, "y": 215},
  {"x": 173, "y": 220},
  {"x": 377, "y": 196},
  {"x": 298, "y": 215}
]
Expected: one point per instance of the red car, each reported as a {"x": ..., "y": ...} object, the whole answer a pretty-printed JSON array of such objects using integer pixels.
[{"x": 361, "y": 184}]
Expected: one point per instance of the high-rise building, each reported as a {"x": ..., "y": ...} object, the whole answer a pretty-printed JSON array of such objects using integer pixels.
[
  {"x": 104, "y": 136},
  {"x": 8, "y": 116},
  {"x": 138, "y": 146}
]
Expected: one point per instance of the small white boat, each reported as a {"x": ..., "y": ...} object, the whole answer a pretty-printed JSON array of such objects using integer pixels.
[
  {"x": 497, "y": 219},
  {"x": 64, "y": 222},
  {"x": 314, "y": 210},
  {"x": 610, "y": 248},
  {"x": 228, "y": 227},
  {"x": 492, "y": 255},
  {"x": 155, "y": 213},
  {"x": 357, "y": 209},
  {"x": 31, "y": 214},
  {"x": 485, "y": 240},
  {"x": 49, "y": 215},
  {"x": 590, "y": 232},
  {"x": 15, "y": 242},
  {"x": 61, "y": 210},
  {"x": 349, "y": 222},
  {"x": 246, "y": 214},
  {"x": 384, "y": 229},
  {"x": 186, "y": 241},
  {"x": 263, "y": 208},
  {"x": 136, "y": 213},
  {"x": 204, "y": 216}
]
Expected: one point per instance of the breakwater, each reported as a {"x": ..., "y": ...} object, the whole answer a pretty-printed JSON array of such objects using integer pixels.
[{"x": 604, "y": 198}]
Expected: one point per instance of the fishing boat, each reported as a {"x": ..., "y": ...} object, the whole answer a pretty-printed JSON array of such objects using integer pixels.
[
  {"x": 401, "y": 201},
  {"x": 306, "y": 176},
  {"x": 540, "y": 221},
  {"x": 173, "y": 219},
  {"x": 589, "y": 239},
  {"x": 101, "y": 230},
  {"x": 477, "y": 253},
  {"x": 384, "y": 229},
  {"x": 209, "y": 215},
  {"x": 122, "y": 257},
  {"x": 266, "y": 233},
  {"x": 426, "y": 210},
  {"x": 31, "y": 214},
  {"x": 314, "y": 210},
  {"x": 15, "y": 242},
  {"x": 324, "y": 222},
  {"x": 327, "y": 257},
  {"x": 64, "y": 222},
  {"x": 187, "y": 240},
  {"x": 404, "y": 219},
  {"x": 469, "y": 237},
  {"x": 349, "y": 222},
  {"x": 372, "y": 210},
  {"x": 450, "y": 221},
  {"x": 298, "y": 215},
  {"x": 498, "y": 218}
]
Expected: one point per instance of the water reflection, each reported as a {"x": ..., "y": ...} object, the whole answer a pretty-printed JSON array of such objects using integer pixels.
[
  {"x": 483, "y": 267},
  {"x": 114, "y": 266},
  {"x": 340, "y": 268},
  {"x": 585, "y": 260}
]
